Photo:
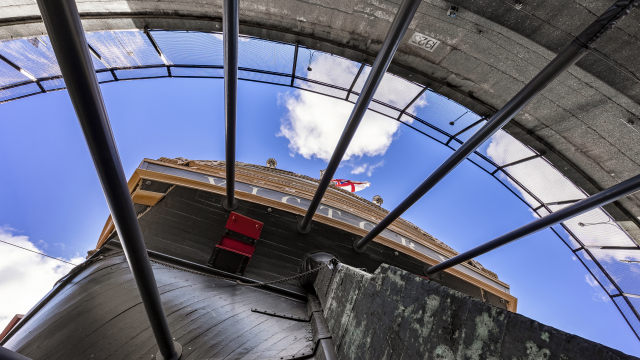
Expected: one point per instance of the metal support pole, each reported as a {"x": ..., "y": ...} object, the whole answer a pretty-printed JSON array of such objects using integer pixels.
[
  {"x": 63, "y": 25},
  {"x": 230, "y": 31},
  {"x": 565, "y": 59},
  {"x": 600, "y": 199},
  {"x": 396, "y": 32}
]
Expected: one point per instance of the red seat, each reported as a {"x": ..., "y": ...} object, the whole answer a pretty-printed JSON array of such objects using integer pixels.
[{"x": 233, "y": 255}]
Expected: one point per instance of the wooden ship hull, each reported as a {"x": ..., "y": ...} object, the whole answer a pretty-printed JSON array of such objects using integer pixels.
[{"x": 194, "y": 245}]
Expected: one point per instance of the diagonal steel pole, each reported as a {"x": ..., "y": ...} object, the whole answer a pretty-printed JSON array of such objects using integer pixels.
[
  {"x": 565, "y": 59},
  {"x": 63, "y": 25},
  {"x": 230, "y": 31},
  {"x": 396, "y": 32},
  {"x": 593, "y": 202}
]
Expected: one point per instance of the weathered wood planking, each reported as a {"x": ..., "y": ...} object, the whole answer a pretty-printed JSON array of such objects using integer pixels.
[
  {"x": 100, "y": 316},
  {"x": 187, "y": 223}
]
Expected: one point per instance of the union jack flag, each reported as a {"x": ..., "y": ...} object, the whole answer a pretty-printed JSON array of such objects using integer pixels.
[{"x": 349, "y": 185}]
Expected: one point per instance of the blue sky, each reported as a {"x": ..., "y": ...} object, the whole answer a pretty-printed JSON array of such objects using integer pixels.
[{"x": 50, "y": 192}]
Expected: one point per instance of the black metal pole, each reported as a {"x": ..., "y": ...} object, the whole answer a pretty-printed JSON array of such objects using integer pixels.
[
  {"x": 63, "y": 25},
  {"x": 396, "y": 32},
  {"x": 566, "y": 58},
  {"x": 230, "y": 31},
  {"x": 600, "y": 199}
]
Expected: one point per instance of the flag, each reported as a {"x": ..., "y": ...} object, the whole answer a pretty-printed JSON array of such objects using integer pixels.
[{"x": 349, "y": 185}]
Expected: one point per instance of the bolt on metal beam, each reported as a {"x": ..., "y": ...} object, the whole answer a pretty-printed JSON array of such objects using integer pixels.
[
  {"x": 593, "y": 202},
  {"x": 396, "y": 32},
  {"x": 230, "y": 33},
  {"x": 565, "y": 59},
  {"x": 65, "y": 30}
]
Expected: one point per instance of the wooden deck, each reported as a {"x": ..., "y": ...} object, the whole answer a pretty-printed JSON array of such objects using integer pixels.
[{"x": 100, "y": 316}]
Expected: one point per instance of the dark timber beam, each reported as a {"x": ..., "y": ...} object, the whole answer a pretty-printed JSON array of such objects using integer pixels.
[
  {"x": 593, "y": 202},
  {"x": 565, "y": 59},
  {"x": 230, "y": 32},
  {"x": 63, "y": 25},
  {"x": 396, "y": 32}
]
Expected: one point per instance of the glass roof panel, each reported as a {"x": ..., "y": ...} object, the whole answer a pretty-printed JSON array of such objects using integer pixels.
[
  {"x": 142, "y": 73},
  {"x": 445, "y": 113},
  {"x": 105, "y": 76},
  {"x": 628, "y": 313},
  {"x": 596, "y": 228},
  {"x": 34, "y": 55},
  {"x": 268, "y": 78},
  {"x": 265, "y": 55},
  {"x": 421, "y": 126},
  {"x": 472, "y": 129},
  {"x": 504, "y": 149},
  {"x": 9, "y": 75},
  {"x": 321, "y": 89},
  {"x": 393, "y": 90},
  {"x": 53, "y": 84},
  {"x": 326, "y": 68},
  {"x": 568, "y": 239},
  {"x": 124, "y": 48},
  {"x": 190, "y": 48},
  {"x": 597, "y": 273},
  {"x": 197, "y": 72},
  {"x": 545, "y": 181},
  {"x": 622, "y": 266},
  {"x": 19, "y": 91}
]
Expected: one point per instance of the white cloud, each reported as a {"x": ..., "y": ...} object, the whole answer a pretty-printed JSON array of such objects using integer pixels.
[
  {"x": 314, "y": 123},
  {"x": 25, "y": 277},
  {"x": 359, "y": 169},
  {"x": 599, "y": 295},
  {"x": 373, "y": 167}
]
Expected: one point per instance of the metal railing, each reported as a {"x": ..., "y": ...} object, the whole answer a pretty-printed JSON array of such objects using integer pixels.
[{"x": 130, "y": 55}]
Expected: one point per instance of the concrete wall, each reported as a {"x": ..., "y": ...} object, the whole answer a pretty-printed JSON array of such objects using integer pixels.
[{"x": 393, "y": 314}]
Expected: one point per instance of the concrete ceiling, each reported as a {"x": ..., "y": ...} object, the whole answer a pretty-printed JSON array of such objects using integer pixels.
[{"x": 587, "y": 123}]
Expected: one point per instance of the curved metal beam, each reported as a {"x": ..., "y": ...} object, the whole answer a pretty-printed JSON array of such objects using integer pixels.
[{"x": 565, "y": 59}]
